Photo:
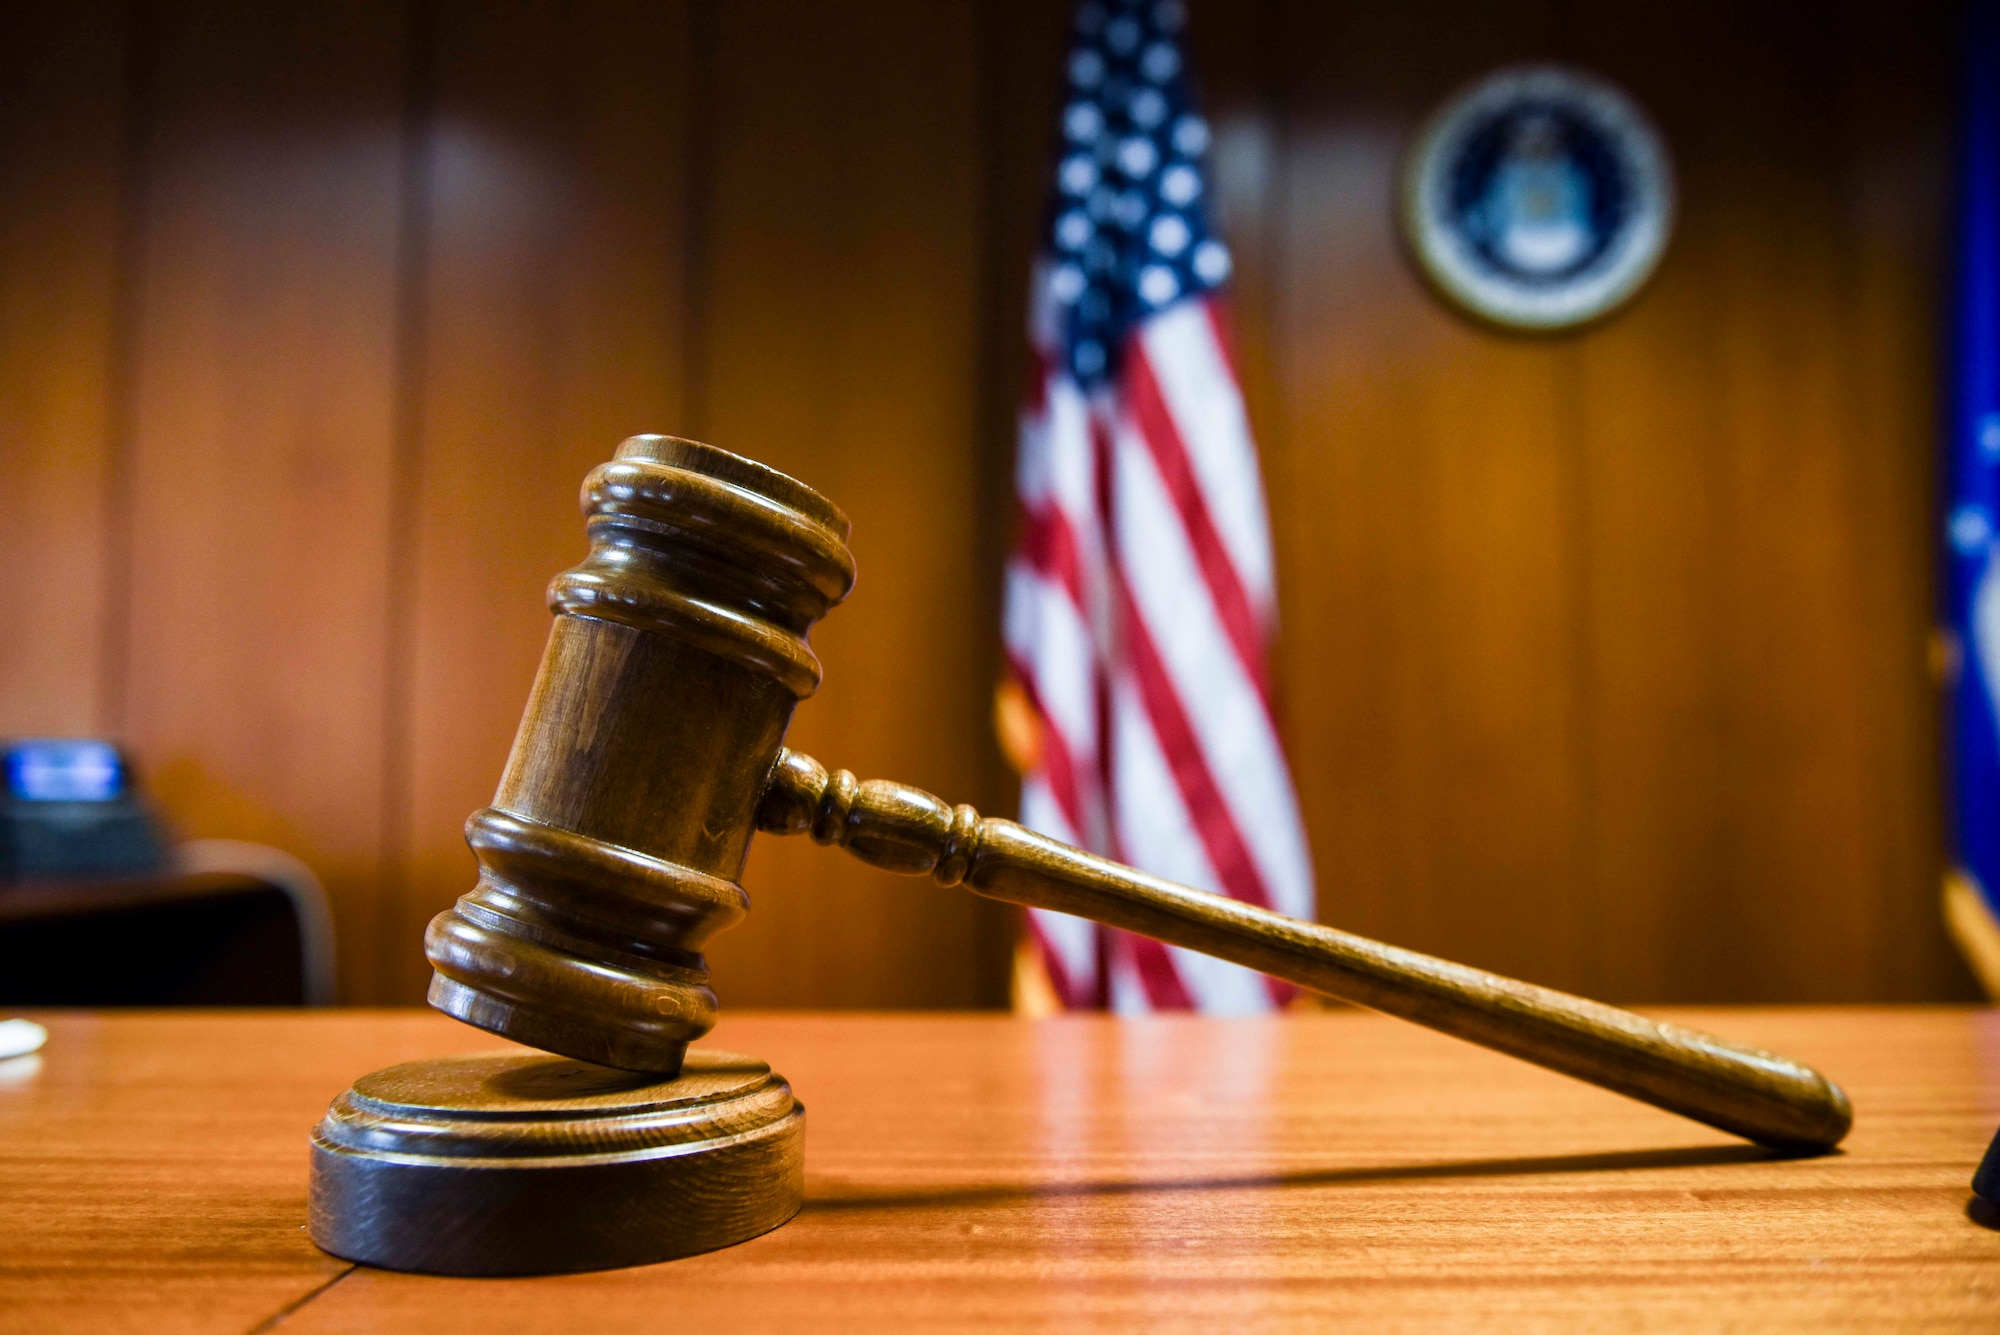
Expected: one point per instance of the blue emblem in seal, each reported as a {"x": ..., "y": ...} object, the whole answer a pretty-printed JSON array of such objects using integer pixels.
[{"x": 1538, "y": 199}]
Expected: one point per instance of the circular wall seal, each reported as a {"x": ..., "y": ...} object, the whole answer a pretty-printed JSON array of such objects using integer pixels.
[{"x": 1539, "y": 199}]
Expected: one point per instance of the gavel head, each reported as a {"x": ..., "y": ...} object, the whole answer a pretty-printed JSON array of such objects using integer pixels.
[{"x": 613, "y": 848}]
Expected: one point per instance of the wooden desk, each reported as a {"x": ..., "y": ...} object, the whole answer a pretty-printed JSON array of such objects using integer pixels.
[{"x": 997, "y": 1173}]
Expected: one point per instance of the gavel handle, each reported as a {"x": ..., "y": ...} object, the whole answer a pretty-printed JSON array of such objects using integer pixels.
[{"x": 1750, "y": 1093}]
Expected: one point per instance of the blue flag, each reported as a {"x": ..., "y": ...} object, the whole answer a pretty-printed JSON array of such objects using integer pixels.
[{"x": 1972, "y": 515}]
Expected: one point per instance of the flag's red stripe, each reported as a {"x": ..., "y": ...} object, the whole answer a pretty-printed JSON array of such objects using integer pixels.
[
  {"x": 1048, "y": 544},
  {"x": 1068, "y": 991},
  {"x": 1163, "y": 439},
  {"x": 1227, "y": 849},
  {"x": 1165, "y": 990},
  {"x": 1227, "y": 852},
  {"x": 1162, "y": 983},
  {"x": 1058, "y": 771},
  {"x": 1101, "y": 478},
  {"x": 1199, "y": 793},
  {"x": 1035, "y": 400},
  {"x": 1058, "y": 767}
]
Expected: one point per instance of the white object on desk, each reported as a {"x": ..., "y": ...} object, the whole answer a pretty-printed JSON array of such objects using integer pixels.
[{"x": 18, "y": 1038}]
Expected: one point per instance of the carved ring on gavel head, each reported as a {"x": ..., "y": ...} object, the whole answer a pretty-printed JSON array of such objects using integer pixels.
[{"x": 651, "y": 749}]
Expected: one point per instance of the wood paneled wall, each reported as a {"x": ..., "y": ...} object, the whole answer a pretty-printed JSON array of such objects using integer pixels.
[
  {"x": 1603, "y": 657},
  {"x": 1606, "y": 654}
]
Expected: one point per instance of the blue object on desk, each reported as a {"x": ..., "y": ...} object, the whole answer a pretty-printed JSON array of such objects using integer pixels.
[
  {"x": 65, "y": 771},
  {"x": 68, "y": 811}
]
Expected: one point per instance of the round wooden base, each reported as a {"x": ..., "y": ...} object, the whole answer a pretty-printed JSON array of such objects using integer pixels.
[{"x": 522, "y": 1163}]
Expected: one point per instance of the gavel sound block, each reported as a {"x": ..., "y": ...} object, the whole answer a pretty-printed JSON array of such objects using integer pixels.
[{"x": 651, "y": 749}]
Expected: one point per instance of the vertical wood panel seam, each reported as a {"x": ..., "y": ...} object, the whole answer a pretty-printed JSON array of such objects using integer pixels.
[
  {"x": 994, "y": 395},
  {"x": 1573, "y": 433},
  {"x": 1579, "y": 606},
  {"x": 698, "y": 205},
  {"x": 401, "y": 568},
  {"x": 122, "y": 372},
  {"x": 1871, "y": 758},
  {"x": 1273, "y": 435}
]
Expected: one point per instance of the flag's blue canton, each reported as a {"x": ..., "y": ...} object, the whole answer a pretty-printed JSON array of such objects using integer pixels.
[
  {"x": 1129, "y": 232},
  {"x": 1972, "y": 517}
]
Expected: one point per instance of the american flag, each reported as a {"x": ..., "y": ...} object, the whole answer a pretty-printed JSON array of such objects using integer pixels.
[{"x": 1139, "y": 600}]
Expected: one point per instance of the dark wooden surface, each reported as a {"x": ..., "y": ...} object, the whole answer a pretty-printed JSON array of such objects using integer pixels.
[
  {"x": 992, "y": 1173},
  {"x": 311, "y": 320},
  {"x": 523, "y": 1163}
]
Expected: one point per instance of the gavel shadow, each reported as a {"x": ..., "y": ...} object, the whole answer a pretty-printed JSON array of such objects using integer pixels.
[{"x": 845, "y": 1199}]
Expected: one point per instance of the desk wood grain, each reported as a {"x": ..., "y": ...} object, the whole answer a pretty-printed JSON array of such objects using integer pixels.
[{"x": 996, "y": 1173}]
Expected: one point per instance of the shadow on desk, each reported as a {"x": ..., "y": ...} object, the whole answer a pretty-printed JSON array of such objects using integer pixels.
[{"x": 1695, "y": 1156}]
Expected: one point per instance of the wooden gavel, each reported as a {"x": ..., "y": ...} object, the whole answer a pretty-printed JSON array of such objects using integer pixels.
[{"x": 653, "y": 747}]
